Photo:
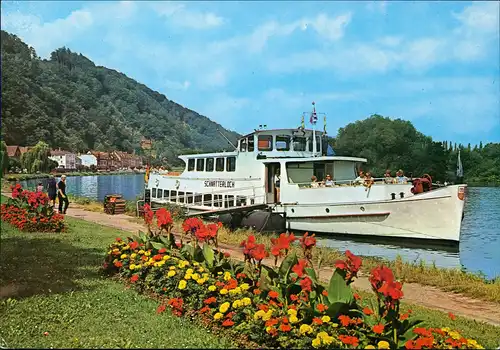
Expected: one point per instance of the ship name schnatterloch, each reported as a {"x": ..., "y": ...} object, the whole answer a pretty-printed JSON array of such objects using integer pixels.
[{"x": 219, "y": 183}]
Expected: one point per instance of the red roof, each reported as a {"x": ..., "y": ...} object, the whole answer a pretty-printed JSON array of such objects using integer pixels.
[{"x": 11, "y": 150}]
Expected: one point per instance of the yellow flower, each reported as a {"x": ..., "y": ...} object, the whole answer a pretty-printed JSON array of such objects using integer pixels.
[
  {"x": 161, "y": 263},
  {"x": 195, "y": 276},
  {"x": 455, "y": 335},
  {"x": 189, "y": 271},
  {"x": 116, "y": 250},
  {"x": 147, "y": 263},
  {"x": 335, "y": 325},
  {"x": 132, "y": 266},
  {"x": 133, "y": 256},
  {"x": 316, "y": 343},
  {"x": 369, "y": 347},
  {"x": 126, "y": 247},
  {"x": 227, "y": 276},
  {"x": 196, "y": 263},
  {"x": 293, "y": 319},
  {"x": 258, "y": 314},
  {"x": 109, "y": 252},
  {"x": 212, "y": 288},
  {"x": 267, "y": 316},
  {"x": 268, "y": 329},
  {"x": 245, "y": 286},
  {"x": 187, "y": 276},
  {"x": 218, "y": 316},
  {"x": 325, "y": 319},
  {"x": 141, "y": 252},
  {"x": 236, "y": 304},
  {"x": 383, "y": 345},
  {"x": 246, "y": 301},
  {"x": 219, "y": 273},
  {"x": 201, "y": 269},
  {"x": 182, "y": 284},
  {"x": 123, "y": 256},
  {"x": 292, "y": 312},
  {"x": 166, "y": 257},
  {"x": 201, "y": 281},
  {"x": 171, "y": 268},
  {"x": 224, "y": 307},
  {"x": 205, "y": 276},
  {"x": 148, "y": 253},
  {"x": 223, "y": 291},
  {"x": 138, "y": 267},
  {"x": 155, "y": 264},
  {"x": 235, "y": 291},
  {"x": 305, "y": 328},
  {"x": 171, "y": 273}
]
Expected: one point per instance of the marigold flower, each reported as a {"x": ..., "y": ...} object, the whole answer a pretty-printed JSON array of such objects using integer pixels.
[
  {"x": 370, "y": 347},
  {"x": 218, "y": 316},
  {"x": 383, "y": 345},
  {"x": 171, "y": 273},
  {"x": 326, "y": 319},
  {"x": 305, "y": 328},
  {"x": 212, "y": 288},
  {"x": 379, "y": 328},
  {"x": 224, "y": 307},
  {"x": 182, "y": 284},
  {"x": 285, "y": 327},
  {"x": 223, "y": 291},
  {"x": 367, "y": 311},
  {"x": 227, "y": 323},
  {"x": 273, "y": 294},
  {"x": 134, "y": 278}
]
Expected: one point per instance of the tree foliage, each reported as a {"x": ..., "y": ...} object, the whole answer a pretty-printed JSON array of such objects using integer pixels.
[
  {"x": 396, "y": 144},
  {"x": 4, "y": 157},
  {"x": 36, "y": 159},
  {"x": 69, "y": 102}
]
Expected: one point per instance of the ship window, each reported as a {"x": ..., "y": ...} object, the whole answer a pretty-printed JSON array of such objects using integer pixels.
[
  {"x": 241, "y": 201},
  {"x": 231, "y": 164},
  {"x": 200, "y": 164},
  {"x": 229, "y": 201},
  {"x": 181, "y": 197},
  {"x": 173, "y": 196},
  {"x": 282, "y": 143},
  {"x": 210, "y": 164},
  {"x": 219, "y": 164},
  {"x": 318, "y": 144},
  {"x": 190, "y": 164},
  {"x": 153, "y": 193},
  {"x": 159, "y": 193},
  {"x": 299, "y": 143},
  {"x": 243, "y": 145},
  {"x": 197, "y": 199},
  {"x": 165, "y": 194},
  {"x": 207, "y": 200},
  {"x": 265, "y": 143},
  {"x": 250, "y": 143},
  {"x": 189, "y": 197},
  {"x": 217, "y": 200}
]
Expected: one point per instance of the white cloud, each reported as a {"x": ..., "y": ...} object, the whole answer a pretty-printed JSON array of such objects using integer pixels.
[
  {"x": 481, "y": 17},
  {"x": 176, "y": 85},
  {"x": 179, "y": 15},
  {"x": 329, "y": 28},
  {"x": 215, "y": 78}
]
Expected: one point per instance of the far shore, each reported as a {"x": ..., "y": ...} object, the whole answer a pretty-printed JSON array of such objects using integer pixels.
[{"x": 24, "y": 177}]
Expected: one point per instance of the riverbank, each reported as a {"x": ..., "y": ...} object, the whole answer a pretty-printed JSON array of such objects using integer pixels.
[
  {"x": 24, "y": 177},
  {"x": 77, "y": 308},
  {"x": 448, "y": 280}
]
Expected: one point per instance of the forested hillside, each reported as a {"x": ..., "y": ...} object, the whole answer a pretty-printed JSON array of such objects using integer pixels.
[
  {"x": 69, "y": 102},
  {"x": 396, "y": 144}
]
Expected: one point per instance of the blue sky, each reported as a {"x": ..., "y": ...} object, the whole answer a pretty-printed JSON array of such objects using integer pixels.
[{"x": 241, "y": 64}]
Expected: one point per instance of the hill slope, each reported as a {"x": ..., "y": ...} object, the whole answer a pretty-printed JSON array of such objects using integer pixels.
[{"x": 69, "y": 102}]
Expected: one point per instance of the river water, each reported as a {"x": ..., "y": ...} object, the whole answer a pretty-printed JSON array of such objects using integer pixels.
[{"x": 479, "y": 249}]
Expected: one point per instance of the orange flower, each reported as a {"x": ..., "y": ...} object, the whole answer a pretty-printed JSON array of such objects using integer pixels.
[
  {"x": 450, "y": 315},
  {"x": 273, "y": 294},
  {"x": 271, "y": 322},
  {"x": 317, "y": 321},
  {"x": 344, "y": 320},
  {"x": 227, "y": 323},
  {"x": 357, "y": 296},
  {"x": 403, "y": 317},
  {"x": 285, "y": 327},
  {"x": 256, "y": 291},
  {"x": 325, "y": 293},
  {"x": 348, "y": 340},
  {"x": 322, "y": 307},
  {"x": 379, "y": 328},
  {"x": 367, "y": 311},
  {"x": 293, "y": 297}
]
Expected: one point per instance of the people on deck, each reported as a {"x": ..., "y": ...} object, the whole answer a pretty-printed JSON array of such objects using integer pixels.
[
  {"x": 314, "y": 182},
  {"x": 62, "y": 196},
  {"x": 52, "y": 189},
  {"x": 360, "y": 179},
  {"x": 328, "y": 181},
  {"x": 401, "y": 178},
  {"x": 368, "y": 181},
  {"x": 39, "y": 188},
  {"x": 388, "y": 177},
  {"x": 277, "y": 180}
]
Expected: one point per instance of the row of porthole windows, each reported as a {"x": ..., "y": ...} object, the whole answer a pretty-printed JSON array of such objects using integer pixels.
[
  {"x": 207, "y": 200},
  {"x": 209, "y": 164}
]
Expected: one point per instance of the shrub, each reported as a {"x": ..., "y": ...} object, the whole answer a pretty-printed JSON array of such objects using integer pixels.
[
  {"x": 31, "y": 211},
  {"x": 280, "y": 306}
]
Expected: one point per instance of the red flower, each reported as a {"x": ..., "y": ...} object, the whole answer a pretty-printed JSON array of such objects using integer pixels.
[
  {"x": 348, "y": 340},
  {"x": 403, "y": 317},
  {"x": 134, "y": 278},
  {"x": 227, "y": 255},
  {"x": 273, "y": 294},
  {"x": 210, "y": 300},
  {"x": 285, "y": 327},
  {"x": 422, "y": 332},
  {"x": 133, "y": 245},
  {"x": 163, "y": 218},
  {"x": 162, "y": 251},
  {"x": 450, "y": 315},
  {"x": 379, "y": 328},
  {"x": 148, "y": 214},
  {"x": 410, "y": 344},
  {"x": 322, "y": 307},
  {"x": 317, "y": 320},
  {"x": 325, "y": 293},
  {"x": 357, "y": 296},
  {"x": 204, "y": 309},
  {"x": 118, "y": 264},
  {"x": 118, "y": 239},
  {"x": 227, "y": 323},
  {"x": 160, "y": 309},
  {"x": 367, "y": 311},
  {"x": 241, "y": 276},
  {"x": 306, "y": 284},
  {"x": 307, "y": 242},
  {"x": 350, "y": 267},
  {"x": 299, "y": 267},
  {"x": 271, "y": 322},
  {"x": 344, "y": 320},
  {"x": 259, "y": 252},
  {"x": 293, "y": 297},
  {"x": 256, "y": 291},
  {"x": 281, "y": 245}
]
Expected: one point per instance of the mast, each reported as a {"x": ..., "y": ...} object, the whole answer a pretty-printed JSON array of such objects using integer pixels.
[{"x": 313, "y": 120}]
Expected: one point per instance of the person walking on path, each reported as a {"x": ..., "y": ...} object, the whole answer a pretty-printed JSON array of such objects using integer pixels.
[
  {"x": 61, "y": 195},
  {"x": 52, "y": 190}
]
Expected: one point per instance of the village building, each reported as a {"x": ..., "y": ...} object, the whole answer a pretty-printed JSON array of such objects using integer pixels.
[
  {"x": 64, "y": 159},
  {"x": 13, "y": 152},
  {"x": 88, "y": 160}
]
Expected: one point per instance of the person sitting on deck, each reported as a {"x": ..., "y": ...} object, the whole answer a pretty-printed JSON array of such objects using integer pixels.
[
  {"x": 314, "y": 182},
  {"x": 401, "y": 178},
  {"x": 360, "y": 179},
  {"x": 328, "y": 181},
  {"x": 368, "y": 182},
  {"x": 387, "y": 177}
]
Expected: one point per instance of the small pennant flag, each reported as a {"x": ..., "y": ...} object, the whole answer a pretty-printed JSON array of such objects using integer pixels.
[
  {"x": 314, "y": 116},
  {"x": 324, "y": 124},
  {"x": 302, "y": 124}
]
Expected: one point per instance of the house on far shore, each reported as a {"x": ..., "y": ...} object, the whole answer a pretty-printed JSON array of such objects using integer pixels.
[
  {"x": 64, "y": 159},
  {"x": 88, "y": 159},
  {"x": 127, "y": 160},
  {"x": 13, "y": 152}
]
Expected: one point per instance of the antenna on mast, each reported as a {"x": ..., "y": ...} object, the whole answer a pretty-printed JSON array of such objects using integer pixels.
[{"x": 224, "y": 136}]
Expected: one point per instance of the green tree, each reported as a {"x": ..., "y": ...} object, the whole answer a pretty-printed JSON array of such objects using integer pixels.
[
  {"x": 4, "y": 158},
  {"x": 37, "y": 158}
]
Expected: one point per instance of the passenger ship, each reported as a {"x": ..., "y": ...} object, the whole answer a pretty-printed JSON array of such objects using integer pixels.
[{"x": 240, "y": 185}]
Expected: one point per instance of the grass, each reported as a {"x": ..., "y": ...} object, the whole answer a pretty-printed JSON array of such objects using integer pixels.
[{"x": 50, "y": 283}]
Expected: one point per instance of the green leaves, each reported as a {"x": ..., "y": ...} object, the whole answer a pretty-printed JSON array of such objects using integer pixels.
[{"x": 208, "y": 254}]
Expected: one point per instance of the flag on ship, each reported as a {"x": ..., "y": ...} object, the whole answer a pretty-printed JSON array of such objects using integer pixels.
[
  {"x": 460, "y": 169},
  {"x": 314, "y": 116},
  {"x": 324, "y": 124},
  {"x": 302, "y": 124}
]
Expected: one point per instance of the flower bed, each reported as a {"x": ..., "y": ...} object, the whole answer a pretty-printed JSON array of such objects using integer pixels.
[
  {"x": 31, "y": 211},
  {"x": 280, "y": 306}
]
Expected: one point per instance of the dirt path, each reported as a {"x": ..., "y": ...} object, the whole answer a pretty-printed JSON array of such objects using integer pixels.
[{"x": 427, "y": 296}]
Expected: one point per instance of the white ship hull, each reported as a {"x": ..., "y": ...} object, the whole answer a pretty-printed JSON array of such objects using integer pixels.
[{"x": 434, "y": 215}]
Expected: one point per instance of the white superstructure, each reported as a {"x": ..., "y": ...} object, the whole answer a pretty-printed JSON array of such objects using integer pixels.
[{"x": 245, "y": 177}]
